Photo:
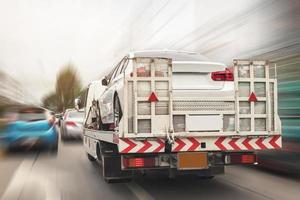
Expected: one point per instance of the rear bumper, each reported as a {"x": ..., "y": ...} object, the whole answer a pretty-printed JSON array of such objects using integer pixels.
[
  {"x": 42, "y": 139},
  {"x": 191, "y": 144},
  {"x": 74, "y": 133},
  {"x": 210, "y": 163}
]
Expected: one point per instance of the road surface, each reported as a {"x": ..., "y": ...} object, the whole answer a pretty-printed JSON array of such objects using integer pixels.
[{"x": 70, "y": 176}]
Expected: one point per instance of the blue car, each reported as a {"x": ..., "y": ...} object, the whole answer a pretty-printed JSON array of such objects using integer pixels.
[{"x": 29, "y": 127}]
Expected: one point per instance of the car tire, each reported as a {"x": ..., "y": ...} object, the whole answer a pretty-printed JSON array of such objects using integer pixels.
[
  {"x": 54, "y": 149},
  {"x": 117, "y": 111}
]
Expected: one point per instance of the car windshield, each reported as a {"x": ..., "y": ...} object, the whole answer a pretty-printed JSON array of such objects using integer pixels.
[
  {"x": 75, "y": 114},
  {"x": 32, "y": 114}
]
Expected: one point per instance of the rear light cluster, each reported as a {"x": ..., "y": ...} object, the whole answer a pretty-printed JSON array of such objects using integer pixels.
[
  {"x": 139, "y": 162},
  {"x": 240, "y": 159},
  {"x": 71, "y": 123},
  {"x": 226, "y": 75}
]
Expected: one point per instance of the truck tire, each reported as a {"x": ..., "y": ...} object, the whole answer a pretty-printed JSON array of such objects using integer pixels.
[
  {"x": 91, "y": 158},
  {"x": 112, "y": 172},
  {"x": 110, "y": 163}
]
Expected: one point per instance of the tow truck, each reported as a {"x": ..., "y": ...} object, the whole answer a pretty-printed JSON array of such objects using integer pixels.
[{"x": 178, "y": 112}]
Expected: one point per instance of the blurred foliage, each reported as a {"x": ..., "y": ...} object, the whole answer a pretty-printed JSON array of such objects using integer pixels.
[{"x": 67, "y": 88}]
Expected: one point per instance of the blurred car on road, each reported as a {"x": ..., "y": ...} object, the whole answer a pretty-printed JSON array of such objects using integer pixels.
[
  {"x": 72, "y": 124},
  {"x": 27, "y": 127},
  {"x": 287, "y": 159}
]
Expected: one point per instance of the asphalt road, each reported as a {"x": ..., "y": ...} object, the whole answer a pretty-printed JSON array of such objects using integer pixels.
[{"x": 70, "y": 176}]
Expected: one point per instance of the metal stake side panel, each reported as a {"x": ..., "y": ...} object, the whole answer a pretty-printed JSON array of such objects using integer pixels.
[
  {"x": 253, "y": 77},
  {"x": 138, "y": 87}
]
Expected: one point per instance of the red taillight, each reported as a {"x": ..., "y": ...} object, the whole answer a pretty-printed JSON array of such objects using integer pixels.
[
  {"x": 226, "y": 75},
  {"x": 70, "y": 123},
  {"x": 138, "y": 162},
  {"x": 240, "y": 159}
]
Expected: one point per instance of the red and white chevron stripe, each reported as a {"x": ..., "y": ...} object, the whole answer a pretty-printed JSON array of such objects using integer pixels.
[
  {"x": 261, "y": 143},
  {"x": 127, "y": 145},
  {"x": 226, "y": 143}
]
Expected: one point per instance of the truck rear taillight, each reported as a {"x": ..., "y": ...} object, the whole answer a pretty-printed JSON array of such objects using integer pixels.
[
  {"x": 226, "y": 75},
  {"x": 240, "y": 159},
  {"x": 138, "y": 162}
]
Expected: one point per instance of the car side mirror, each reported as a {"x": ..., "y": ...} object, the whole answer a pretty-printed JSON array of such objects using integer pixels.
[
  {"x": 77, "y": 104},
  {"x": 104, "y": 81}
]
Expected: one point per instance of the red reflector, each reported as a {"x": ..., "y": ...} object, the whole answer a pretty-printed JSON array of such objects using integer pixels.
[
  {"x": 226, "y": 75},
  {"x": 138, "y": 162},
  {"x": 70, "y": 123},
  {"x": 153, "y": 97},
  {"x": 252, "y": 97}
]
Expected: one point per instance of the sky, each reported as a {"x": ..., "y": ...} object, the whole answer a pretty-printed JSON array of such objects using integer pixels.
[{"x": 38, "y": 37}]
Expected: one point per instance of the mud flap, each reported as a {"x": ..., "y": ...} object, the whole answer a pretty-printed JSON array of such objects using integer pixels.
[{"x": 112, "y": 172}]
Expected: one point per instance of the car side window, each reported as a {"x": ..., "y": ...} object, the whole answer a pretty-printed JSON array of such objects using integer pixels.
[
  {"x": 128, "y": 68},
  {"x": 124, "y": 65},
  {"x": 120, "y": 67},
  {"x": 109, "y": 77}
]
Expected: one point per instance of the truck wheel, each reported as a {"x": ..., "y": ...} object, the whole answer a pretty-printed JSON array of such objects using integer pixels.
[
  {"x": 91, "y": 158},
  {"x": 112, "y": 172},
  {"x": 206, "y": 177}
]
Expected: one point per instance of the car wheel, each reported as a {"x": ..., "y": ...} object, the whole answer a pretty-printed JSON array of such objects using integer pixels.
[
  {"x": 54, "y": 149},
  {"x": 117, "y": 111}
]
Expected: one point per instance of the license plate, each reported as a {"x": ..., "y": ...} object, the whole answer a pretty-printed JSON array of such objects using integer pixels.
[{"x": 192, "y": 160}]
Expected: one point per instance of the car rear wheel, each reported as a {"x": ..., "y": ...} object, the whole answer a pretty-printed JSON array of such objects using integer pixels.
[{"x": 117, "y": 111}]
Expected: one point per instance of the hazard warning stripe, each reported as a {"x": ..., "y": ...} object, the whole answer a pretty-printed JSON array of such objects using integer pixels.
[
  {"x": 127, "y": 145},
  {"x": 226, "y": 143}
]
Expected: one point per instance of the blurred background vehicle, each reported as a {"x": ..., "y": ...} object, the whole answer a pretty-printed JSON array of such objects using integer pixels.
[
  {"x": 72, "y": 124},
  {"x": 286, "y": 159},
  {"x": 27, "y": 127}
]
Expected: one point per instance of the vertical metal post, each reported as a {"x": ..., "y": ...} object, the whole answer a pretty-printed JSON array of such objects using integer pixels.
[
  {"x": 252, "y": 90},
  {"x": 152, "y": 74},
  {"x": 268, "y": 99},
  {"x": 170, "y": 95},
  {"x": 237, "y": 103},
  {"x": 125, "y": 110},
  {"x": 134, "y": 97}
]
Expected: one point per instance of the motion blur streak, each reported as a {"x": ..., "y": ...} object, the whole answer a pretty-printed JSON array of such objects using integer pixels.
[
  {"x": 38, "y": 37},
  {"x": 287, "y": 159}
]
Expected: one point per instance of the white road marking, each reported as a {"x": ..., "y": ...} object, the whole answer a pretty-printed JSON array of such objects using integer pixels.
[
  {"x": 138, "y": 191},
  {"x": 26, "y": 177},
  {"x": 17, "y": 183}
]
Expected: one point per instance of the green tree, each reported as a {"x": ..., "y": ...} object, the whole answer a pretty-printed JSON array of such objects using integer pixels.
[
  {"x": 50, "y": 101},
  {"x": 67, "y": 88}
]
